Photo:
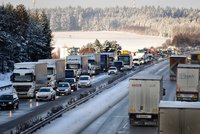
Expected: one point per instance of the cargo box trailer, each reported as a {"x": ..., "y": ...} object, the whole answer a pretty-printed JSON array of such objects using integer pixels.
[
  {"x": 145, "y": 93},
  {"x": 178, "y": 117}
]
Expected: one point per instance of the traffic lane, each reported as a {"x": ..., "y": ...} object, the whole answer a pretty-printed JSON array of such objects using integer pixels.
[
  {"x": 117, "y": 120},
  {"x": 26, "y": 105},
  {"x": 29, "y": 110}
]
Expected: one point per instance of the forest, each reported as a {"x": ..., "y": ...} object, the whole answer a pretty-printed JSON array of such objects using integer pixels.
[
  {"x": 24, "y": 36},
  {"x": 179, "y": 24}
]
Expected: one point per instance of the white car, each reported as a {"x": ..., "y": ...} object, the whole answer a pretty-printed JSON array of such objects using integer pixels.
[
  {"x": 84, "y": 81},
  {"x": 112, "y": 70},
  {"x": 46, "y": 93},
  {"x": 63, "y": 88}
]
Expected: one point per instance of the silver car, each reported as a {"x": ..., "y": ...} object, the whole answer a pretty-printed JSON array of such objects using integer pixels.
[
  {"x": 46, "y": 93},
  {"x": 84, "y": 81},
  {"x": 63, "y": 88}
]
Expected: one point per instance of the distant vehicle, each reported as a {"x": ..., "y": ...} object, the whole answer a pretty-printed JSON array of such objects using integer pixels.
[
  {"x": 112, "y": 70},
  {"x": 187, "y": 82},
  {"x": 94, "y": 63},
  {"x": 9, "y": 100},
  {"x": 84, "y": 81},
  {"x": 145, "y": 93},
  {"x": 127, "y": 59},
  {"x": 63, "y": 88},
  {"x": 46, "y": 93},
  {"x": 71, "y": 73},
  {"x": 179, "y": 117},
  {"x": 72, "y": 82},
  {"x": 194, "y": 58},
  {"x": 78, "y": 63},
  {"x": 104, "y": 62},
  {"x": 136, "y": 61},
  {"x": 173, "y": 63},
  {"x": 119, "y": 65},
  {"x": 55, "y": 71}
]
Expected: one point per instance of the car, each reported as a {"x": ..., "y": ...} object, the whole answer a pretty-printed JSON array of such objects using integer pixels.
[
  {"x": 112, "y": 70},
  {"x": 72, "y": 82},
  {"x": 45, "y": 93},
  {"x": 136, "y": 61},
  {"x": 9, "y": 100},
  {"x": 63, "y": 88},
  {"x": 84, "y": 81}
]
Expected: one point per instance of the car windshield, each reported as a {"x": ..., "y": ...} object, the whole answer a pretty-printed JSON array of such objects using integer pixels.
[
  {"x": 112, "y": 68},
  {"x": 84, "y": 78},
  {"x": 44, "y": 90},
  {"x": 6, "y": 97},
  {"x": 63, "y": 85}
]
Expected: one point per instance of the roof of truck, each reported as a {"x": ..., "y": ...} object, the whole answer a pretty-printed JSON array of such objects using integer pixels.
[
  {"x": 188, "y": 66},
  {"x": 179, "y": 104},
  {"x": 178, "y": 56},
  {"x": 146, "y": 77}
]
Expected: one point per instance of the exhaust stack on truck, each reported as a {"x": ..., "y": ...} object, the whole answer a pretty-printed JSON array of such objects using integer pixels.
[{"x": 145, "y": 93}]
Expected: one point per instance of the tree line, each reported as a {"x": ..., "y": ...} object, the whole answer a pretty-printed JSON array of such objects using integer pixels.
[
  {"x": 149, "y": 20},
  {"x": 24, "y": 35}
]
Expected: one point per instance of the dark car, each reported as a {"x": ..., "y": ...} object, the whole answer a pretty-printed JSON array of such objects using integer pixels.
[
  {"x": 9, "y": 100},
  {"x": 72, "y": 82}
]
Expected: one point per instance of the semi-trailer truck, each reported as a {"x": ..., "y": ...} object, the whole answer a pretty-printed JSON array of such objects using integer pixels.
[
  {"x": 104, "y": 62},
  {"x": 145, "y": 93},
  {"x": 94, "y": 63},
  {"x": 173, "y": 63},
  {"x": 127, "y": 59},
  {"x": 187, "y": 82},
  {"x": 79, "y": 63},
  {"x": 179, "y": 117},
  {"x": 28, "y": 77},
  {"x": 55, "y": 71}
]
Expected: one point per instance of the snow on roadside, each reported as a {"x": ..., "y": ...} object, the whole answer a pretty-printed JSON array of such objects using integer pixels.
[{"x": 77, "y": 119}]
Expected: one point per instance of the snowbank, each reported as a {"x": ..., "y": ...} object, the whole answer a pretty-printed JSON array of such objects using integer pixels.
[{"x": 76, "y": 120}]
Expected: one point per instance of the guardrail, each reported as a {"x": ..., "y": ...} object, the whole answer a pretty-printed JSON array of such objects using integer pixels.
[
  {"x": 5, "y": 87},
  {"x": 75, "y": 102}
]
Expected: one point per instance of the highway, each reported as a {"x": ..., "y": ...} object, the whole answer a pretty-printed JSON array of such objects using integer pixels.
[
  {"x": 117, "y": 115},
  {"x": 115, "y": 120}
]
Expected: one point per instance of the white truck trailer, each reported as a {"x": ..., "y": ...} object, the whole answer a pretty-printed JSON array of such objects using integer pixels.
[
  {"x": 28, "y": 77},
  {"x": 178, "y": 117},
  {"x": 187, "y": 82},
  {"x": 145, "y": 93},
  {"x": 78, "y": 63},
  {"x": 55, "y": 70},
  {"x": 94, "y": 63}
]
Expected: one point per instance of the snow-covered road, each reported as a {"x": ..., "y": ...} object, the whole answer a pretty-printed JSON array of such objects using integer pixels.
[{"x": 76, "y": 120}]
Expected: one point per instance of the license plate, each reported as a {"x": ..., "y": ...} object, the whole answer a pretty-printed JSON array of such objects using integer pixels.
[{"x": 143, "y": 116}]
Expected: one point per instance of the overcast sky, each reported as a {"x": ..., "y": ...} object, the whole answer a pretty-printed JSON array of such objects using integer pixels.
[{"x": 104, "y": 3}]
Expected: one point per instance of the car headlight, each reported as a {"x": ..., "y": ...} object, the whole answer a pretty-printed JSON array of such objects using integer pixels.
[{"x": 9, "y": 102}]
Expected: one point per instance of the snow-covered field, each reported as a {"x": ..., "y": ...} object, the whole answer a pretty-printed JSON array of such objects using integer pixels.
[{"x": 128, "y": 41}]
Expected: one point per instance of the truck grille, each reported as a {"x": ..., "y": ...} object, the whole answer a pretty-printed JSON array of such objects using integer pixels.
[{"x": 22, "y": 88}]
